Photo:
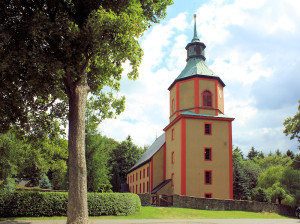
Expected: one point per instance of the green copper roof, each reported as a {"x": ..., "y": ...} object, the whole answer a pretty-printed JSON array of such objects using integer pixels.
[
  {"x": 206, "y": 115},
  {"x": 196, "y": 66}
]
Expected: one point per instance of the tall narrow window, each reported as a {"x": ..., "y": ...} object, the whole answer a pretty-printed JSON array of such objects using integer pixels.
[
  {"x": 144, "y": 173},
  {"x": 172, "y": 157},
  {"x": 148, "y": 171},
  {"x": 172, "y": 179},
  {"x": 207, "y": 98},
  {"x": 147, "y": 186},
  {"x": 173, "y": 106},
  {"x": 173, "y": 132},
  {"x": 136, "y": 176},
  {"x": 207, "y": 129},
  {"x": 144, "y": 187},
  {"x": 208, "y": 177},
  {"x": 133, "y": 178},
  {"x": 136, "y": 188},
  {"x": 207, "y": 154}
]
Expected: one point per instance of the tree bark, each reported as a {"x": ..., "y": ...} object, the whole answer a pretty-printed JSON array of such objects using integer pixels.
[{"x": 77, "y": 203}]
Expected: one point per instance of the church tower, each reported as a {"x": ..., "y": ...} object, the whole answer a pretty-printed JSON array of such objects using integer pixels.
[
  {"x": 199, "y": 136},
  {"x": 194, "y": 155}
]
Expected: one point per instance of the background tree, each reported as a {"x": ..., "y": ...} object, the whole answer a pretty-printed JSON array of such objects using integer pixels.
[
  {"x": 252, "y": 153},
  {"x": 292, "y": 126},
  {"x": 63, "y": 50},
  {"x": 24, "y": 157},
  {"x": 123, "y": 157},
  {"x": 45, "y": 182}
]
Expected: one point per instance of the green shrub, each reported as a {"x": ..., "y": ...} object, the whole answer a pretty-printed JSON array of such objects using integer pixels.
[
  {"x": 45, "y": 182},
  {"x": 260, "y": 194},
  {"x": 33, "y": 204}
]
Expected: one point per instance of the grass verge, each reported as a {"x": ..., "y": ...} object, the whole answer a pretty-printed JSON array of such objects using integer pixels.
[{"x": 174, "y": 213}]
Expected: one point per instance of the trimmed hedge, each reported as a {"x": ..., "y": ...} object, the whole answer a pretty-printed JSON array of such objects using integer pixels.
[{"x": 34, "y": 204}]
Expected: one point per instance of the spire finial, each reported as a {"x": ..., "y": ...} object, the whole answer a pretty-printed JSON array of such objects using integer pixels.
[{"x": 195, "y": 38}]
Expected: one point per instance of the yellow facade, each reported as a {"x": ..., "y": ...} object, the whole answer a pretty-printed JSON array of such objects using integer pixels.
[
  {"x": 218, "y": 142},
  {"x": 139, "y": 180},
  {"x": 158, "y": 163},
  {"x": 186, "y": 95},
  {"x": 173, "y": 146}
]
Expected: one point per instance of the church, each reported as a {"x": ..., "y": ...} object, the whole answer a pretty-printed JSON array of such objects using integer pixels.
[{"x": 194, "y": 155}]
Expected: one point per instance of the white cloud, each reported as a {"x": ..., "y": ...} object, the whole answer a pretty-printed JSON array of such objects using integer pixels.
[{"x": 232, "y": 33}]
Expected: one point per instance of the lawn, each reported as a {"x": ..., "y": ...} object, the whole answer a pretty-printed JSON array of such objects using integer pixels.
[{"x": 176, "y": 213}]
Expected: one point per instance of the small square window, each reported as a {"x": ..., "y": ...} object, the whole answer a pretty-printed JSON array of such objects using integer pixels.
[
  {"x": 208, "y": 195},
  {"x": 207, "y": 154},
  {"x": 208, "y": 175},
  {"x": 207, "y": 129}
]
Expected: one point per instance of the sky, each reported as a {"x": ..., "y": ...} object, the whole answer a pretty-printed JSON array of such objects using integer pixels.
[{"x": 252, "y": 45}]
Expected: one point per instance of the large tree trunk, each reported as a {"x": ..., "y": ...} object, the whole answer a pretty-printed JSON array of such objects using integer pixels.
[{"x": 77, "y": 203}]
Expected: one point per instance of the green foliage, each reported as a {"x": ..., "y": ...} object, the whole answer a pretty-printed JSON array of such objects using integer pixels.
[
  {"x": 245, "y": 174},
  {"x": 29, "y": 158},
  {"x": 252, "y": 153},
  {"x": 274, "y": 160},
  {"x": 54, "y": 46},
  {"x": 9, "y": 184},
  {"x": 271, "y": 176},
  {"x": 296, "y": 162},
  {"x": 122, "y": 158},
  {"x": 260, "y": 194},
  {"x": 34, "y": 204},
  {"x": 11, "y": 148},
  {"x": 281, "y": 183},
  {"x": 45, "y": 183},
  {"x": 113, "y": 204},
  {"x": 98, "y": 149},
  {"x": 292, "y": 126}
]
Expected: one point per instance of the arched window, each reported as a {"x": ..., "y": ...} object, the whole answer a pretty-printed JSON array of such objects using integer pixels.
[{"x": 207, "y": 98}]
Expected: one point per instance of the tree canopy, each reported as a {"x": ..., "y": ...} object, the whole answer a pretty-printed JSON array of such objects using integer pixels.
[
  {"x": 54, "y": 53},
  {"x": 292, "y": 126}
]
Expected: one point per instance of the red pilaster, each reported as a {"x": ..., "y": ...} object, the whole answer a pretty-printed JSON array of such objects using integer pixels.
[
  {"x": 151, "y": 174},
  {"x": 177, "y": 99},
  {"x": 165, "y": 161},
  {"x": 230, "y": 162},
  {"x": 183, "y": 156},
  {"x": 216, "y": 96},
  {"x": 196, "y": 86}
]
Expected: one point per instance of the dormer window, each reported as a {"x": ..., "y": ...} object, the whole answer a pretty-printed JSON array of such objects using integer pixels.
[{"x": 207, "y": 98}]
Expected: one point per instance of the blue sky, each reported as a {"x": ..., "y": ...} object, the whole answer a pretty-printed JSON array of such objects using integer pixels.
[{"x": 252, "y": 45}]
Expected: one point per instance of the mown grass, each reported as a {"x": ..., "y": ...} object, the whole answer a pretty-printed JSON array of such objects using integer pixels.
[{"x": 175, "y": 213}]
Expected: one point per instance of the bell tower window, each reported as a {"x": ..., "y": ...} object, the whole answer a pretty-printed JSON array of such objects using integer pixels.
[{"x": 207, "y": 98}]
